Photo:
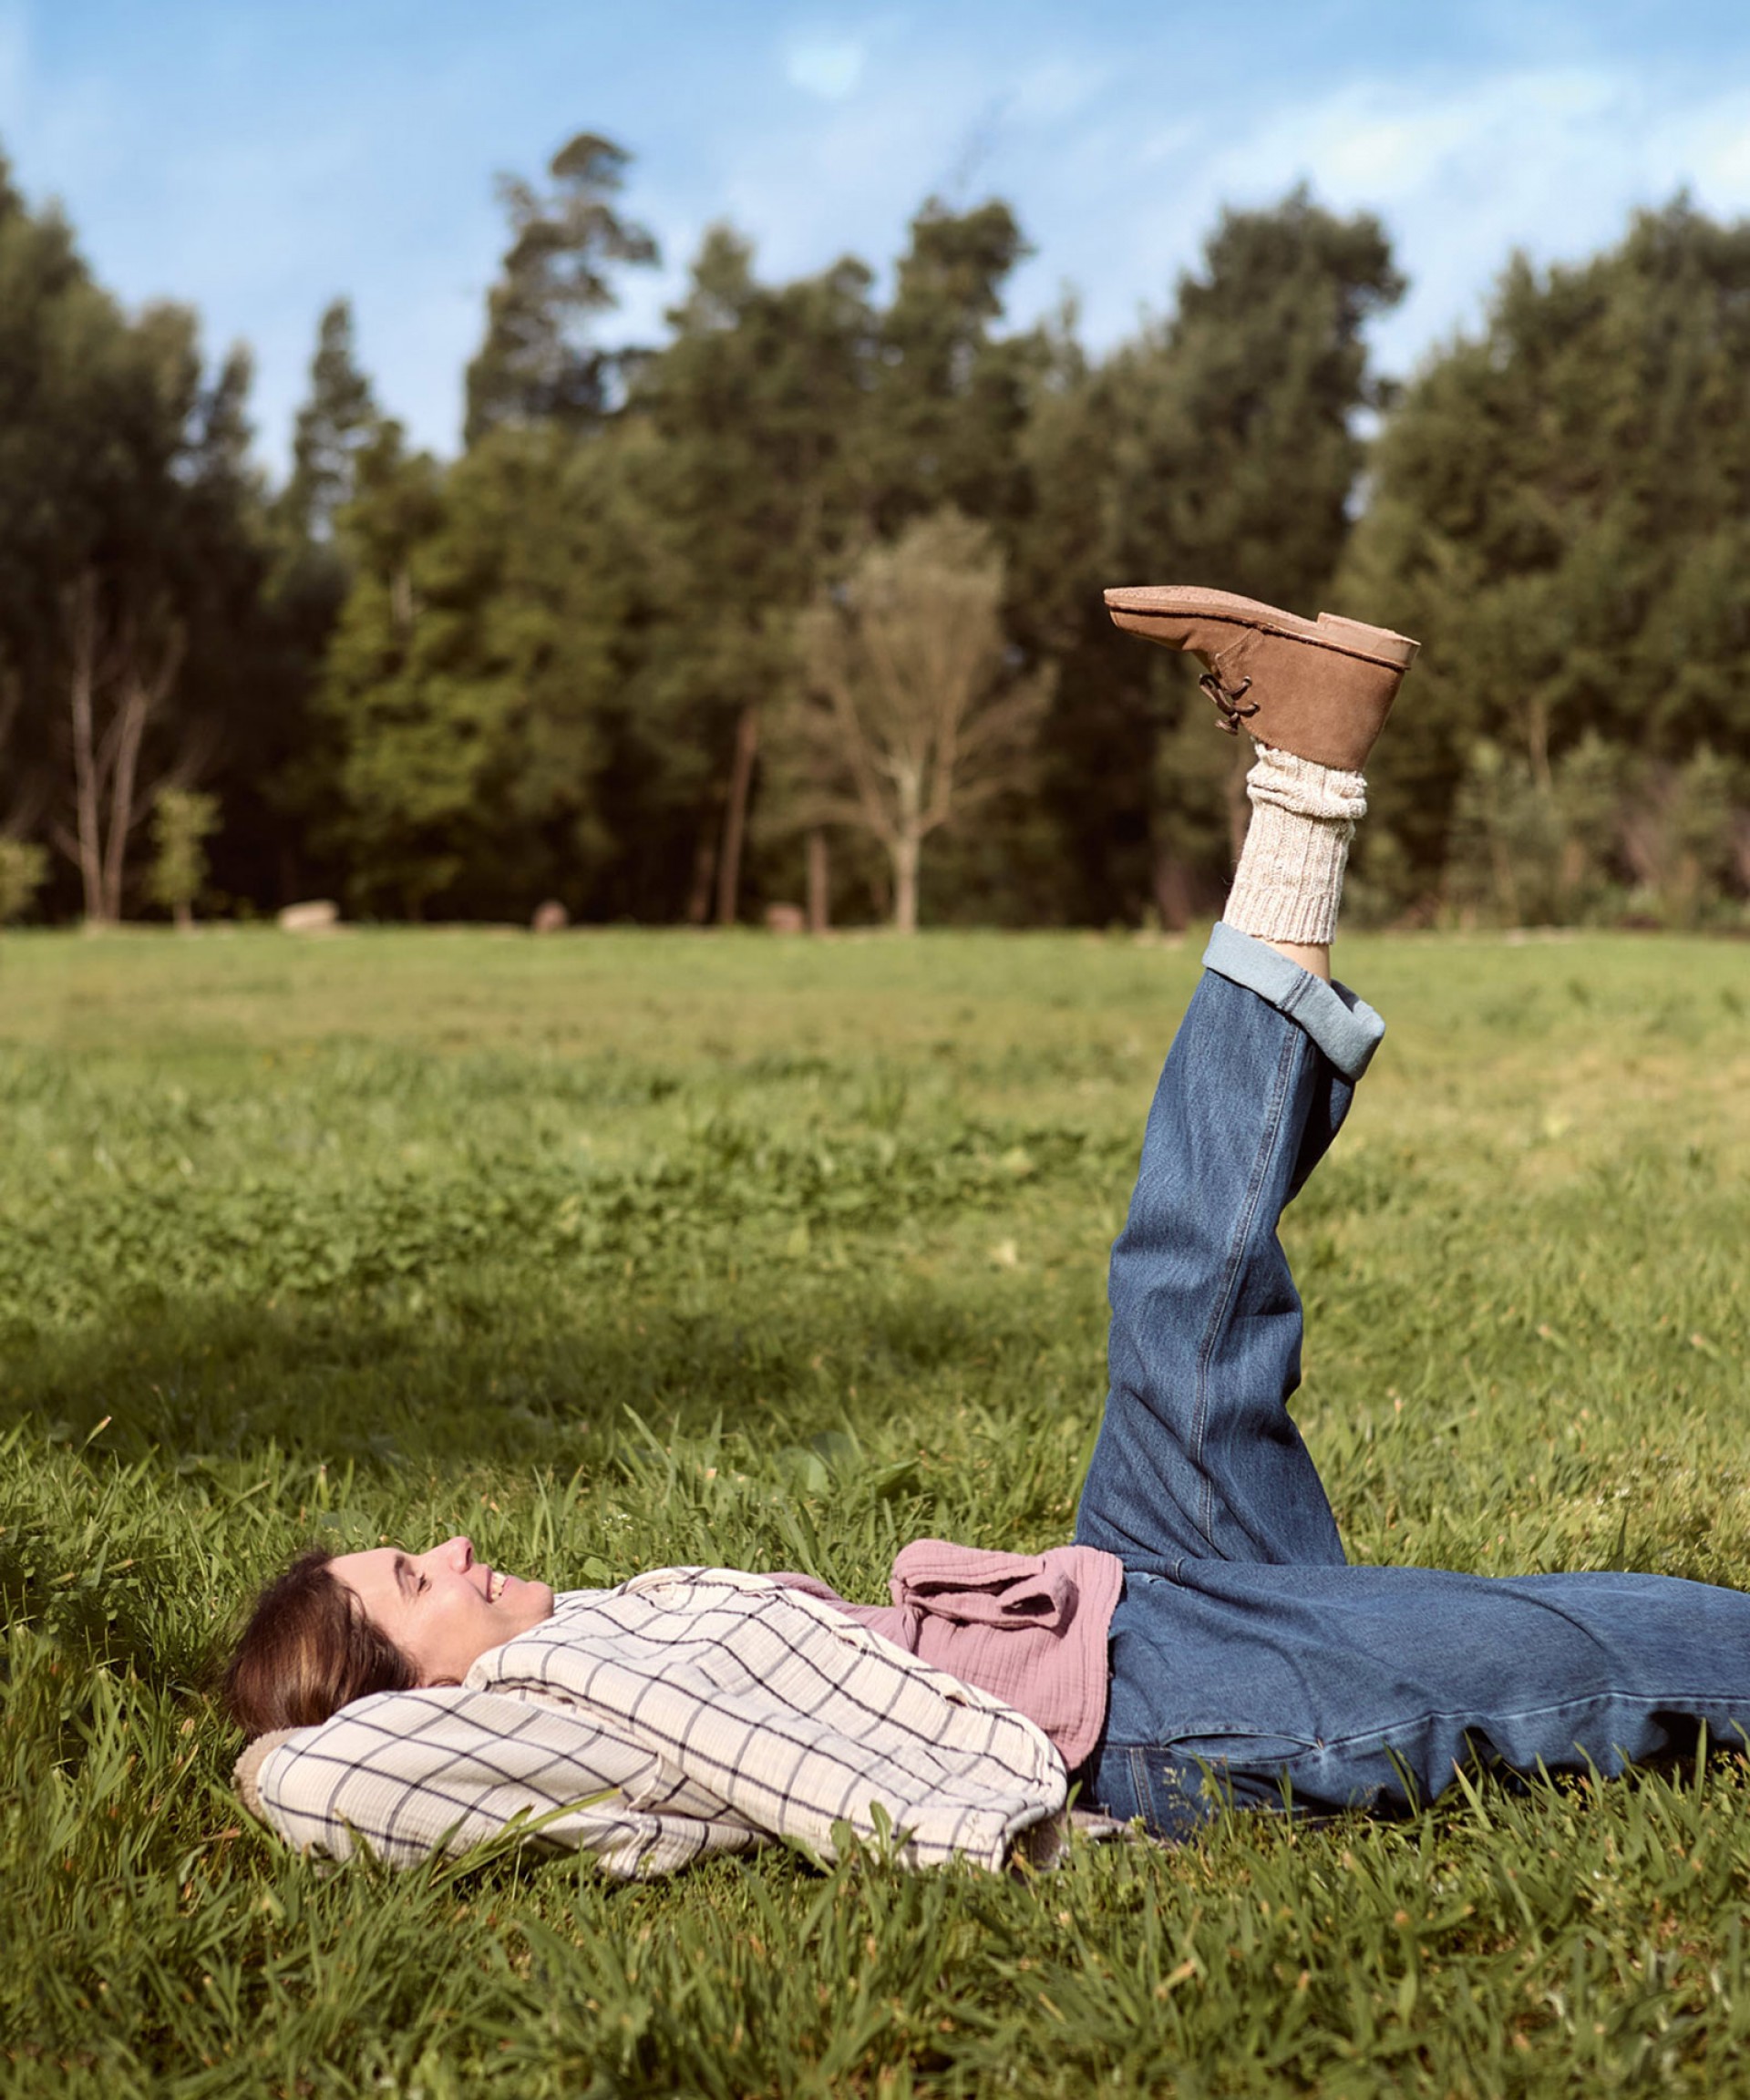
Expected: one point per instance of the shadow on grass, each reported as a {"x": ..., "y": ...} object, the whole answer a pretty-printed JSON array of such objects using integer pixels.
[
  {"x": 160, "y": 1465},
  {"x": 494, "y": 1374}
]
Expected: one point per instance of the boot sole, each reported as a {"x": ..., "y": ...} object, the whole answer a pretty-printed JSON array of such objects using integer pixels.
[{"x": 1329, "y": 631}]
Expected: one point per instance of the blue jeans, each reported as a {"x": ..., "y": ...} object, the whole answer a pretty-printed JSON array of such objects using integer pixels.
[{"x": 1250, "y": 1662}]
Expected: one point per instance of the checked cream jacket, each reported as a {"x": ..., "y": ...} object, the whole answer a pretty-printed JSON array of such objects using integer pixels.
[{"x": 689, "y": 1711}]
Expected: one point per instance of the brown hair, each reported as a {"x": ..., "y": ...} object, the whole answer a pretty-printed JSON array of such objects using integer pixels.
[{"x": 307, "y": 1650}]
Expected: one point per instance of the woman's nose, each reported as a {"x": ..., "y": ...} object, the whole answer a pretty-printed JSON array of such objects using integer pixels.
[{"x": 458, "y": 1552}]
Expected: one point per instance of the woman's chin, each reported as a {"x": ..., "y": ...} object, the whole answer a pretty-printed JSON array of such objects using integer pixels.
[{"x": 531, "y": 1602}]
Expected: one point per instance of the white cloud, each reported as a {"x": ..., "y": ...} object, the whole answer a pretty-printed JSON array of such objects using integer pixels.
[
  {"x": 1723, "y": 153},
  {"x": 828, "y": 66},
  {"x": 1162, "y": 144},
  {"x": 1550, "y": 160},
  {"x": 810, "y": 184},
  {"x": 1059, "y": 88}
]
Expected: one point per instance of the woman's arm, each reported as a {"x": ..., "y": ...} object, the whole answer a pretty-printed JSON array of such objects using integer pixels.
[{"x": 413, "y": 1774}]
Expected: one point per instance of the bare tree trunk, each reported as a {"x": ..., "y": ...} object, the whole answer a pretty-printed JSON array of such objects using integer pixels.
[
  {"x": 143, "y": 690},
  {"x": 16, "y": 814},
  {"x": 1537, "y": 740},
  {"x": 81, "y": 604},
  {"x": 12, "y": 696},
  {"x": 704, "y": 868},
  {"x": 1172, "y": 889},
  {"x": 183, "y": 915},
  {"x": 907, "y": 845},
  {"x": 820, "y": 883},
  {"x": 130, "y": 727},
  {"x": 734, "y": 815},
  {"x": 106, "y": 767},
  {"x": 1506, "y": 890},
  {"x": 905, "y": 851}
]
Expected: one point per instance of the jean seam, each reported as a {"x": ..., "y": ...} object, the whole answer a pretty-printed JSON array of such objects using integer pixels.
[
  {"x": 1248, "y": 1734},
  {"x": 1683, "y": 1703},
  {"x": 1237, "y": 1245}
]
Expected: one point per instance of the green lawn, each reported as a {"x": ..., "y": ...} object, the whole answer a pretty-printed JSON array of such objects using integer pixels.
[{"x": 620, "y": 1249}]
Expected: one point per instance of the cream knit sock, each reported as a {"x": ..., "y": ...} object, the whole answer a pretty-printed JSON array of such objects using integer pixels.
[{"x": 1289, "y": 882}]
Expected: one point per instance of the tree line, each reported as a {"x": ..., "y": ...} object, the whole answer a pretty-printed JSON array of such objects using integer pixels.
[{"x": 799, "y": 607}]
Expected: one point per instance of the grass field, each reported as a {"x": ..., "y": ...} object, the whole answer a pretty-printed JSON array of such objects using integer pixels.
[{"x": 618, "y": 1249}]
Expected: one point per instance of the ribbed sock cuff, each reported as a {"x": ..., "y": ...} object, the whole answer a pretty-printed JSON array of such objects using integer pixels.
[{"x": 1289, "y": 882}]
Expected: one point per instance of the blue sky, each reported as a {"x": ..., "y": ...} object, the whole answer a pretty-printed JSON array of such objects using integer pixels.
[{"x": 257, "y": 157}]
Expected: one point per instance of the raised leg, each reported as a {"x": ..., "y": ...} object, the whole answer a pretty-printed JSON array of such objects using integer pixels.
[{"x": 1197, "y": 1454}]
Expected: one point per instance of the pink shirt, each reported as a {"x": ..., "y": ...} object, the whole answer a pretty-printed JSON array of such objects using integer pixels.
[{"x": 1029, "y": 1627}]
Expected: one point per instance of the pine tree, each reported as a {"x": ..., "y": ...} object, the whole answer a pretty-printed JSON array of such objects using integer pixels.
[
  {"x": 753, "y": 480},
  {"x": 1223, "y": 441},
  {"x": 1559, "y": 513},
  {"x": 947, "y": 398},
  {"x": 537, "y": 363},
  {"x": 334, "y": 423}
]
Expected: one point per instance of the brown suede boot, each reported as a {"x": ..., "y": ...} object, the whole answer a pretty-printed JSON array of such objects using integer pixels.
[{"x": 1320, "y": 688}]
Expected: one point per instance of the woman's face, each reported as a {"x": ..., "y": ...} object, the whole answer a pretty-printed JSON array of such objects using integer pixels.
[{"x": 443, "y": 1609}]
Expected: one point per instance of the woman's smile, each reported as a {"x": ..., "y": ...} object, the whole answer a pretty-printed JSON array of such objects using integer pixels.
[{"x": 443, "y": 1609}]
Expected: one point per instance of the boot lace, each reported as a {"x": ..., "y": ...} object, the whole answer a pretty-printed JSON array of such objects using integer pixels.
[{"x": 1227, "y": 700}]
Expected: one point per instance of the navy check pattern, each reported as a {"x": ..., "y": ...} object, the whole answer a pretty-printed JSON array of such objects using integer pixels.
[{"x": 690, "y": 1710}]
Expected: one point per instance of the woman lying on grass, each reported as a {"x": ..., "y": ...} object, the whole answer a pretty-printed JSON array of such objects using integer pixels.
[{"x": 1202, "y": 1639}]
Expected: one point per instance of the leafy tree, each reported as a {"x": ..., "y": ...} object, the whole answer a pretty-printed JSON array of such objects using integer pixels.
[
  {"x": 777, "y": 434},
  {"x": 1608, "y": 834},
  {"x": 1678, "y": 836},
  {"x": 472, "y": 693},
  {"x": 541, "y": 572},
  {"x": 947, "y": 401},
  {"x": 794, "y": 425},
  {"x": 182, "y": 820},
  {"x": 751, "y": 483},
  {"x": 476, "y": 686},
  {"x": 88, "y": 413},
  {"x": 1234, "y": 437},
  {"x": 404, "y": 780},
  {"x": 237, "y": 720},
  {"x": 130, "y": 561},
  {"x": 44, "y": 468},
  {"x": 1232, "y": 457},
  {"x": 23, "y": 868},
  {"x": 278, "y": 774},
  {"x": 1559, "y": 513},
  {"x": 912, "y": 715},
  {"x": 536, "y": 364}
]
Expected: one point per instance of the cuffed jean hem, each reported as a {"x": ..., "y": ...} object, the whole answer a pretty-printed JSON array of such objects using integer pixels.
[{"x": 1344, "y": 1027}]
